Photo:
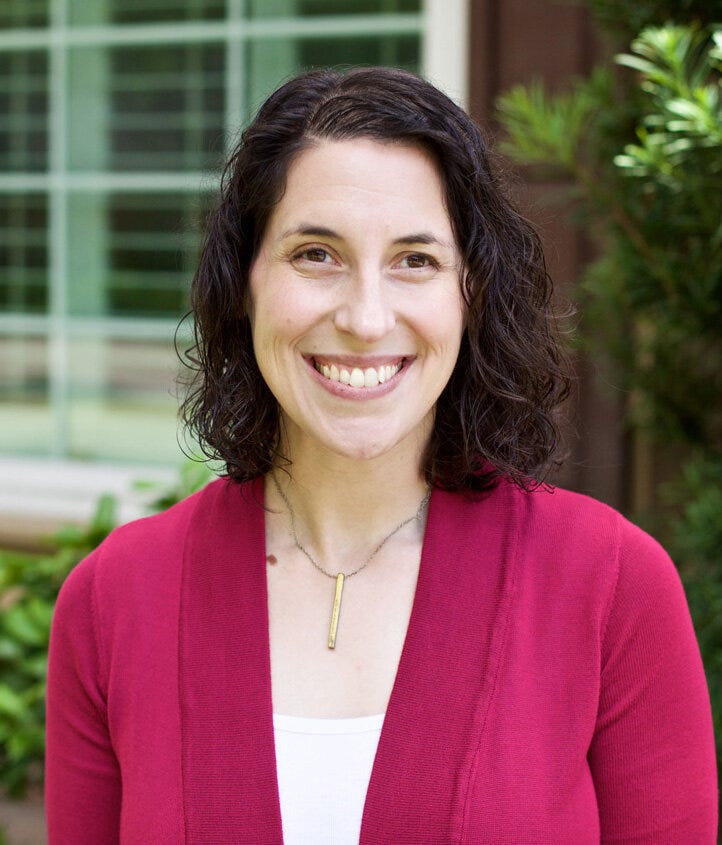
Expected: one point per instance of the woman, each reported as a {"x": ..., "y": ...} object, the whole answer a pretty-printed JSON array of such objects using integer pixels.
[{"x": 378, "y": 369}]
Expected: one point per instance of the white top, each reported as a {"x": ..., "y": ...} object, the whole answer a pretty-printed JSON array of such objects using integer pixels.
[{"x": 324, "y": 768}]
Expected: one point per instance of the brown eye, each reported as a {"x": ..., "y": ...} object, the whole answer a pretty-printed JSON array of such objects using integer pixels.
[
  {"x": 417, "y": 261},
  {"x": 315, "y": 254}
]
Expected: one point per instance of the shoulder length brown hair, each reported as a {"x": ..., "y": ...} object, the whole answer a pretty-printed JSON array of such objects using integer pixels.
[{"x": 496, "y": 415}]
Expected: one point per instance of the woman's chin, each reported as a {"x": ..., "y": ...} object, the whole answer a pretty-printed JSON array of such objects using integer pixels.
[
  {"x": 320, "y": 438},
  {"x": 359, "y": 444},
  {"x": 357, "y": 451}
]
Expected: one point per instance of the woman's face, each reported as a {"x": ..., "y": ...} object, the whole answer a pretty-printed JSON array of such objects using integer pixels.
[{"x": 356, "y": 306}]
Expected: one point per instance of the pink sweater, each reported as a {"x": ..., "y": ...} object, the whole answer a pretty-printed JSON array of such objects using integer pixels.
[{"x": 550, "y": 688}]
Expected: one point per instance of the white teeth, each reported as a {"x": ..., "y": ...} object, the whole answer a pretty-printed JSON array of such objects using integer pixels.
[
  {"x": 371, "y": 377},
  {"x": 356, "y": 377}
]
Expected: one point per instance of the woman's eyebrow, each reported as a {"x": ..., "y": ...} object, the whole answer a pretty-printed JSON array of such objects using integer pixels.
[
  {"x": 421, "y": 238},
  {"x": 310, "y": 230}
]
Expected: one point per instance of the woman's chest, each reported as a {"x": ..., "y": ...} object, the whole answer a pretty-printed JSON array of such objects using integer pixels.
[
  {"x": 446, "y": 770},
  {"x": 485, "y": 737},
  {"x": 370, "y": 617}
]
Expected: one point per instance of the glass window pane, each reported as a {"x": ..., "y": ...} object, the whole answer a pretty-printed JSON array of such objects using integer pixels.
[
  {"x": 26, "y": 425},
  {"x": 23, "y": 253},
  {"x": 122, "y": 400},
  {"x": 308, "y": 8},
  {"x": 129, "y": 107},
  {"x": 23, "y": 110},
  {"x": 132, "y": 254},
  {"x": 23, "y": 13},
  {"x": 144, "y": 11},
  {"x": 397, "y": 50},
  {"x": 147, "y": 108},
  {"x": 271, "y": 60}
]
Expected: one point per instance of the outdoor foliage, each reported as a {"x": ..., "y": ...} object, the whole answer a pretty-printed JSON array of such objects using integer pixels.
[
  {"x": 29, "y": 586},
  {"x": 641, "y": 147},
  {"x": 626, "y": 19},
  {"x": 655, "y": 205}
]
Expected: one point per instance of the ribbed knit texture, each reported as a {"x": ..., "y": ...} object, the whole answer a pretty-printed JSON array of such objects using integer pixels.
[{"x": 550, "y": 688}]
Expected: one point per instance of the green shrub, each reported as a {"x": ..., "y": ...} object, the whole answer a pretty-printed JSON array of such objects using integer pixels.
[
  {"x": 697, "y": 544},
  {"x": 29, "y": 586}
]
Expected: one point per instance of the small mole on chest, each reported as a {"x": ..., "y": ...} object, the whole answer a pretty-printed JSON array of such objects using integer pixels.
[{"x": 271, "y": 559}]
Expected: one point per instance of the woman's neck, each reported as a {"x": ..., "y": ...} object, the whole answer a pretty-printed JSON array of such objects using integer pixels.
[{"x": 342, "y": 508}]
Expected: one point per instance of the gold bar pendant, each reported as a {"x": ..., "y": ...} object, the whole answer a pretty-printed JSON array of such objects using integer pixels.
[{"x": 336, "y": 610}]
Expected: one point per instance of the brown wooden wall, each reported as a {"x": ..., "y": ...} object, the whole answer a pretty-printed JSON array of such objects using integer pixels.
[{"x": 516, "y": 41}]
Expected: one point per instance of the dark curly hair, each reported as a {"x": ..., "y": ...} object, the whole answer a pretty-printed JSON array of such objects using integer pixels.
[{"x": 496, "y": 416}]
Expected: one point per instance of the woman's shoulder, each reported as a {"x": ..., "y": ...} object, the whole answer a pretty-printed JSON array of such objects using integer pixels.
[
  {"x": 563, "y": 540},
  {"x": 549, "y": 519},
  {"x": 575, "y": 520},
  {"x": 598, "y": 545},
  {"x": 144, "y": 557},
  {"x": 157, "y": 535}
]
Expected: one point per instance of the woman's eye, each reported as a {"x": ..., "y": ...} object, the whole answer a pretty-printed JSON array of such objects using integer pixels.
[
  {"x": 315, "y": 254},
  {"x": 417, "y": 261}
]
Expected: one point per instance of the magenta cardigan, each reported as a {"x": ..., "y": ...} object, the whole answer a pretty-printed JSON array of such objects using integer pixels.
[{"x": 550, "y": 688}]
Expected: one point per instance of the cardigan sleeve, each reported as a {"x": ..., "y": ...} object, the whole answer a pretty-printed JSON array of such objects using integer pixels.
[
  {"x": 83, "y": 785},
  {"x": 652, "y": 756}
]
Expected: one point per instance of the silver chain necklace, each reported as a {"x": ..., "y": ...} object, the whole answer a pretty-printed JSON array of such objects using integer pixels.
[{"x": 341, "y": 577}]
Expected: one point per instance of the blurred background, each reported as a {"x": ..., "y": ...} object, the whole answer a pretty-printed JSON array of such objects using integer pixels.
[{"x": 115, "y": 118}]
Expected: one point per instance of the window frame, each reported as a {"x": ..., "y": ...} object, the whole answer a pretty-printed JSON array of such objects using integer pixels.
[{"x": 442, "y": 26}]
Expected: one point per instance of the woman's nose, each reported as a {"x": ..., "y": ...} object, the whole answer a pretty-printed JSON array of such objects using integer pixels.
[{"x": 366, "y": 310}]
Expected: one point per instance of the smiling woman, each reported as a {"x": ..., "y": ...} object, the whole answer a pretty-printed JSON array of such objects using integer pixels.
[
  {"x": 509, "y": 352},
  {"x": 377, "y": 365}
]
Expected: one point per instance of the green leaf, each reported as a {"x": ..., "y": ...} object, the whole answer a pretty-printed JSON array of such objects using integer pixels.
[
  {"x": 11, "y": 704},
  {"x": 10, "y": 649},
  {"x": 104, "y": 519},
  {"x": 644, "y": 66},
  {"x": 24, "y": 627},
  {"x": 40, "y": 612}
]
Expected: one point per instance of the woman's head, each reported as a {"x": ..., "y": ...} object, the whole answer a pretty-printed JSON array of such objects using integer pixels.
[
  {"x": 496, "y": 410},
  {"x": 356, "y": 307}
]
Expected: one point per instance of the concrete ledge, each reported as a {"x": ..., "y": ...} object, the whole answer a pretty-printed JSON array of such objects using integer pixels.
[
  {"x": 37, "y": 497},
  {"x": 23, "y": 822}
]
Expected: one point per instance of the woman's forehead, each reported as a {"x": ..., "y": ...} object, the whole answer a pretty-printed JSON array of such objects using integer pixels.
[{"x": 334, "y": 184}]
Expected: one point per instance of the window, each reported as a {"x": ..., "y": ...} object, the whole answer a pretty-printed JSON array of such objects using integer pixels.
[{"x": 115, "y": 117}]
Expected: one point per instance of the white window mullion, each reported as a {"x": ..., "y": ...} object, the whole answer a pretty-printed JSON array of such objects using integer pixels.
[
  {"x": 445, "y": 48},
  {"x": 57, "y": 230},
  {"x": 235, "y": 98}
]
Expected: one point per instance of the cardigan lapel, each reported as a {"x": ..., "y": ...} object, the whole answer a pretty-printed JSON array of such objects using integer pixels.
[
  {"x": 229, "y": 767},
  {"x": 444, "y": 684},
  {"x": 441, "y": 695}
]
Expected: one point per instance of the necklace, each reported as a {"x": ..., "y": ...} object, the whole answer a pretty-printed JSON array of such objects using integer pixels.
[{"x": 340, "y": 577}]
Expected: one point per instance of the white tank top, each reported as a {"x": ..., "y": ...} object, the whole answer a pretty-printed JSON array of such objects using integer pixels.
[{"x": 324, "y": 767}]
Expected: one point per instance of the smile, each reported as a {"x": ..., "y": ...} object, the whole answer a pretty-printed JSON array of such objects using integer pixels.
[{"x": 358, "y": 376}]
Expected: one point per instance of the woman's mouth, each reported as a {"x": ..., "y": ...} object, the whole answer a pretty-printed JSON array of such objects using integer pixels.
[{"x": 358, "y": 377}]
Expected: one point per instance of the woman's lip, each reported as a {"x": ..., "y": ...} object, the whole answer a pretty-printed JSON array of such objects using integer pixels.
[{"x": 338, "y": 388}]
